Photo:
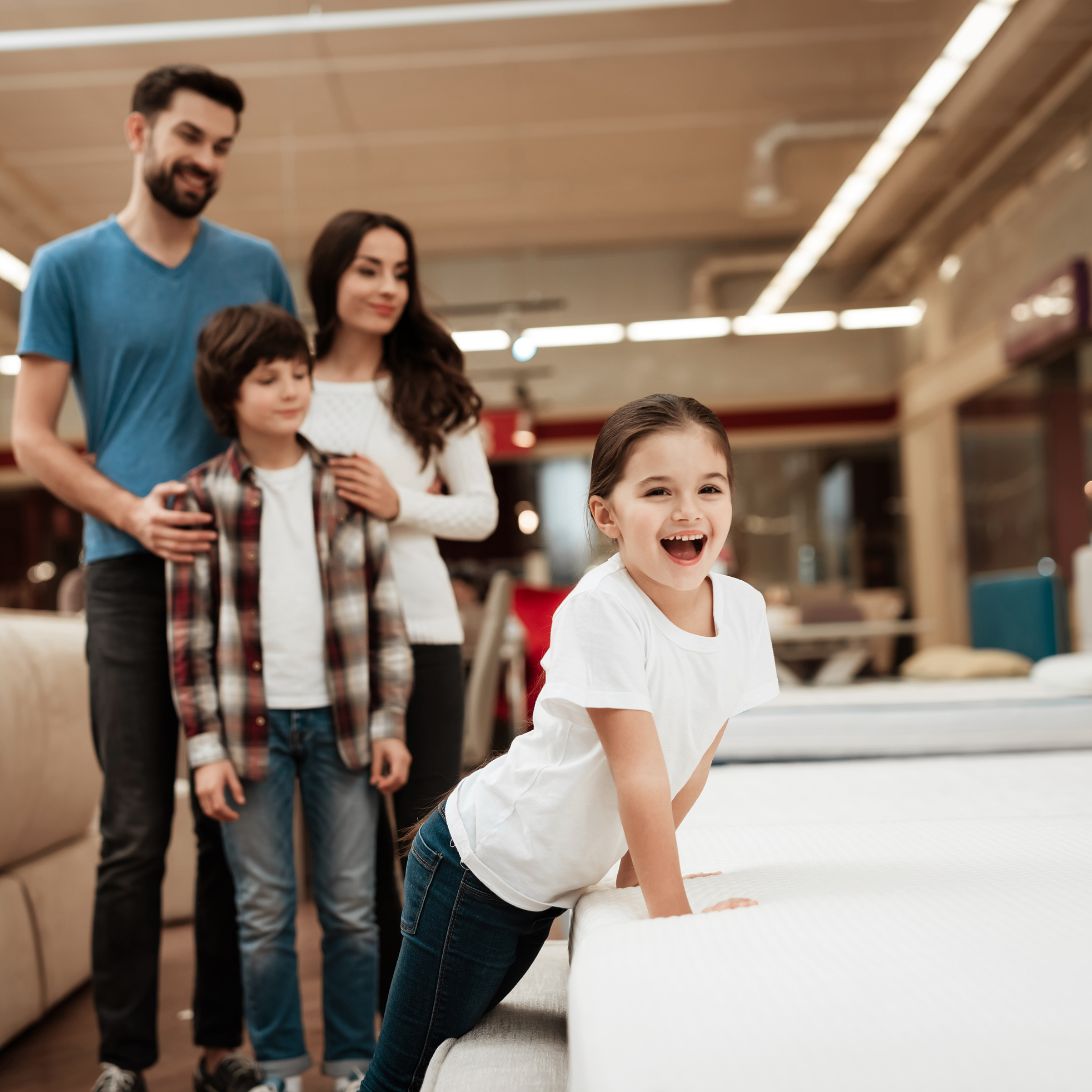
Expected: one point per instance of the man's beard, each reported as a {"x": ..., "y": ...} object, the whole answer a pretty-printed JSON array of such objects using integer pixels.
[{"x": 160, "y": 183}]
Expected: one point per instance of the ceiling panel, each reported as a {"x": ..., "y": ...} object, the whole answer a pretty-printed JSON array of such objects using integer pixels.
[{"x": 507, "y": 135}]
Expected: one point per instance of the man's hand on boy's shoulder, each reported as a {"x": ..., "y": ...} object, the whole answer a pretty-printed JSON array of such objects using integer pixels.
[
  {"x": 172, "y": 535},
  {"x": 212, "y": 783},
  {"x": 390, "y": 764}
]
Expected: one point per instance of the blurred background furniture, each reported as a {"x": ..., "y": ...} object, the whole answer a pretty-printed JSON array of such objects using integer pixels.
[
  {"x": 880, "y": 605},
  {"x": 1020, "y": 610},
  {"x": 479, "y": 717},
  {"x": 72, "y": 592},
  {"x": 534, "y": 607},
  {"x": 898, "y": 718},
  {"x": 957, "y": 662},
  {"x": 843, "y": 631},
  {"x": 49, "y": 789},
  {"x": 513, "y": 657}
]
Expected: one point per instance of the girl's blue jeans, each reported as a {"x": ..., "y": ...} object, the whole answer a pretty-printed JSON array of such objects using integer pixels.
[
  {"x": 340, "y": 810},
  {"x": 463, "y": 949}
]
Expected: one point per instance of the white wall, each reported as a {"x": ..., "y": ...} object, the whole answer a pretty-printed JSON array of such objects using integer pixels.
[{"x": 633, "y": 284}]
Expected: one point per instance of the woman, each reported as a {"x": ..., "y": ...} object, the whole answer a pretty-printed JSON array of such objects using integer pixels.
[{"x": 391, "y": 398}]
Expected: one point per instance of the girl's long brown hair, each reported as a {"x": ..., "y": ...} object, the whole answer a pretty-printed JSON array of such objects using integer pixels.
[{"x": 430, "y": 395}]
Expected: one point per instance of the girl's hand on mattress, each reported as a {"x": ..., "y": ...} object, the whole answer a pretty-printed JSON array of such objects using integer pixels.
[
  {"x": 698, "y": 875},
  {"x": 729, "y": 904}
]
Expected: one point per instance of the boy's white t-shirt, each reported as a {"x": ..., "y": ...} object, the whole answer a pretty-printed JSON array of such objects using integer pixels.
[
  {"x": 290, "y": 599},
  {"x": 540, "y": 823}
]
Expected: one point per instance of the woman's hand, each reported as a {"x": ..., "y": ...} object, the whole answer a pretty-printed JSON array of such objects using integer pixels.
[
  {"x": 390, "y": 764},
  {"x": 361, "y": 482},
  {"x": 209, "y": 783}
]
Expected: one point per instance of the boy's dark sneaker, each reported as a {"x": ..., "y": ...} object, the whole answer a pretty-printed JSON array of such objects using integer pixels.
[
  {"x": 115, "y": 1079},
  {"x": 236, "y": 1073}
]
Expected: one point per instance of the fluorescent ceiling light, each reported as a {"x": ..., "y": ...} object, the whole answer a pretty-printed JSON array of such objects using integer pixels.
[
  {"x": 880, "y": 318},
  {"x": 317, "y": 21},
  {"x": 706, "y": 326},
  {"x": 679, "y": 329},
  {"x": 10, "y": 365},
  {"x": 878, "y": 160},
  {"x": 909, "y": 120},
  {"x": 13, "y": 270},
  {"x": 973, "y": 35},
  {"x": 790, "y": 322},
  {"x": 549, "y": 337},
  {"x": 853, "y": 192},
  {"x": 977, "y": 29},
  {"x": 941, "y": 76},
  {"x": 481, "y": 341}
]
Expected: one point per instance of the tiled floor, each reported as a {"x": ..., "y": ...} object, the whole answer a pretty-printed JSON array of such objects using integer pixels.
[{"x": 58, "y": 1054}]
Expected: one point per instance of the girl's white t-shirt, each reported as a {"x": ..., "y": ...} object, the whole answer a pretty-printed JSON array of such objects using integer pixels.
[
  {"x": 355, "y": 419},
  {"x": 540, "y": 823}
]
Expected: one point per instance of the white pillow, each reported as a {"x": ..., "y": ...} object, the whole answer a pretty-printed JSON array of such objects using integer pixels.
[{"x": 1069, "y": 672}]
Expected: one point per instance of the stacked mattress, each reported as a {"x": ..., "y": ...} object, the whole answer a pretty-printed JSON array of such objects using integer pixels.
[
  {"x": 922, "y": 924},
  {"x": 869, "y": 720}
]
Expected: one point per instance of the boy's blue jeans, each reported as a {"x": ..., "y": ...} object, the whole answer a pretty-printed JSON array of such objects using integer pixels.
[
  {"x": 341, "y": 810},
  {"x": 463, "y": 950}
]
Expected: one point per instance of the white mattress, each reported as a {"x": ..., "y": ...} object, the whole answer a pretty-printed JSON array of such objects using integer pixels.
[
  {"x": 910, "y": 718},
  {"x": 923, "y": 925}
]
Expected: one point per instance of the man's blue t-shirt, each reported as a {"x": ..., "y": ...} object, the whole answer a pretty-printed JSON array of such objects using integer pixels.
[{"x": 128, "y": 327}]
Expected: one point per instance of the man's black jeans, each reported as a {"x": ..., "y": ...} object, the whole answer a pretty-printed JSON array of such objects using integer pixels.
[
  {"x": 136, "y": 731},
  {"x": 434, "y": 736}
]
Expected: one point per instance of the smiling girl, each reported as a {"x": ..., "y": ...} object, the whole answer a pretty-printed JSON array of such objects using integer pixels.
[{"x": 649, "y": 656}]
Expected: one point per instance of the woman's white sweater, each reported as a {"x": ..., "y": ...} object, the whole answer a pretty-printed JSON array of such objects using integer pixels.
[{"x": 355, "y": 419}]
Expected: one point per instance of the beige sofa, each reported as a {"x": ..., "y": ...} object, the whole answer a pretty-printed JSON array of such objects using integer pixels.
[
  {"x": 49, "y": 788},
  {"x": 49, "y": 792}
]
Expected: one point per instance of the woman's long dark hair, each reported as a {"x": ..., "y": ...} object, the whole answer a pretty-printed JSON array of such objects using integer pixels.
[{"x": 430, "y": 395}]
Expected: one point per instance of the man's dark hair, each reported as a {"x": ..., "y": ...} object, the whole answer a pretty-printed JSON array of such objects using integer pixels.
[
  {"x": 232, "y": 344},
  {"x": 155, "y": 90}
]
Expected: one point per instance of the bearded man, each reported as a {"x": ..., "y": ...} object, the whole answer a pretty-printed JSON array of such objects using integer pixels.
[{"x": 116, "y": 308}]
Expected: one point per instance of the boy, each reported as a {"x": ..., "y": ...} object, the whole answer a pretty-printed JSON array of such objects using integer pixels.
[{"x": 288, "y": 661}]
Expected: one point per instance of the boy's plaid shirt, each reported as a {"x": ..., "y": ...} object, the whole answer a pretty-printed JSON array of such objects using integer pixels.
[{"x": 215, "y": 629}]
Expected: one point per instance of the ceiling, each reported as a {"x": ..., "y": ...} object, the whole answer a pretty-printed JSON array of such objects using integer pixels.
[{"x": 571, "y": 132}]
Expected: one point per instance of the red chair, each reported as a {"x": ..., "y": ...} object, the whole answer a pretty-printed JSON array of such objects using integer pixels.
[{"x": 535, "y": 607}]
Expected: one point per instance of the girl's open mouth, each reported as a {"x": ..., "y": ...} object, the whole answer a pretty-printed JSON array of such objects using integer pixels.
[{"x": 684, "y": 548}]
